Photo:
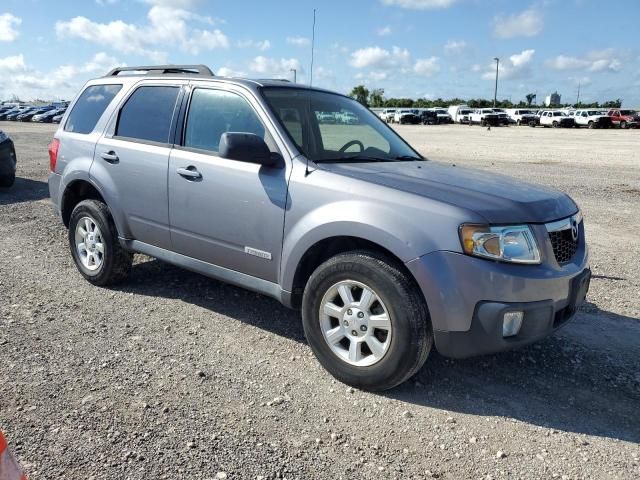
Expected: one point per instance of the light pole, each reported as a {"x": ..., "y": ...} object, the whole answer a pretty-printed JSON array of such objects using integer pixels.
[
  {"x": 295, "y": 75},
  {"x": 495, "y": 92}
]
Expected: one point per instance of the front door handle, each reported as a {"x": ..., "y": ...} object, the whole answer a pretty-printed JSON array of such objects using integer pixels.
[
  {"x": 190, "y": 173},
  {"x": 110, "y": 156}
]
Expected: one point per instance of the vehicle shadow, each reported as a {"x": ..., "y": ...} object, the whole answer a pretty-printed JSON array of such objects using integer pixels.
[
  {"x": 567, "y": 382},
  {"x": 24, "y": 190}
]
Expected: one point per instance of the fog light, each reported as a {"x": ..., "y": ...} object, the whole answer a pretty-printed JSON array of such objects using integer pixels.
[{"x": 511, "y": 323}]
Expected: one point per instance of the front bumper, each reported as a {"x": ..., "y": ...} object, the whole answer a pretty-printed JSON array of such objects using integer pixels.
[{"x": 467, "y": 297}]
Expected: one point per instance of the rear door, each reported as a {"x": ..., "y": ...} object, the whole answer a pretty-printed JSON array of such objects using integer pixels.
[
  {"x": 133, "y": 156},
  {"x": 226, "y": 212}
]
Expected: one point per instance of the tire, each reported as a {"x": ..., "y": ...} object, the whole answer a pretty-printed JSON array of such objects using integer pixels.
[
  {"x": 555, "y": 124},
  {"x": 623, "y": 124},
  {"x": 7, "y": 180},
  {"x": 411, "y": 337},
  {"x": 111, "y": 266},
  {"x": 591, "y": 124}
]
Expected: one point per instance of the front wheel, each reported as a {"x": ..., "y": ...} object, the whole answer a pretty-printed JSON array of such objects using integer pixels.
[
  {"x": 366, "y": 320},
  {"x": 93, "y": 240}
]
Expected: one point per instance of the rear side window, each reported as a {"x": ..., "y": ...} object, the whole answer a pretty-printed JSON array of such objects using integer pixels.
[
  {"x": 147, "y": 114},
  {"x": 89, "y": 108}
]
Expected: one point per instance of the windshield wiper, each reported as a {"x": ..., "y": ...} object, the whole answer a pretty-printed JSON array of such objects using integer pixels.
[
  {"x": 354, "y": 158},
  {"x": 407, "y": 157}
]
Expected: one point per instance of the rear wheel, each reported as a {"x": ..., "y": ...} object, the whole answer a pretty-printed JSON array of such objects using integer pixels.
[
  {"x": 366, "y": 321},
  {"x": 591, "y": 124},
  {"x": 623, "y": 124},
  {"x": 555, "y": 124},
  {"x": 94, "y": 244}
]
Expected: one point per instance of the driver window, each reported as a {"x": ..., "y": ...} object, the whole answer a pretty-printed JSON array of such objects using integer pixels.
[
  {"x": 214, "y": 112},
  {"x": 341, "y": 128}
]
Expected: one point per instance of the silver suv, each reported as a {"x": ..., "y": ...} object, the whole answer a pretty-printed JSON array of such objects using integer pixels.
[{"x": 384, "y": 251}]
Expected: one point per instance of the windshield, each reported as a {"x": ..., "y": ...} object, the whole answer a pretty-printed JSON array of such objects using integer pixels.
[{"x": 364, "y": 137}]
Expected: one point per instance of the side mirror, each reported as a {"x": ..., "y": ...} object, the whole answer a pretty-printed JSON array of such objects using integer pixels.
[{"x": 247, "y": 147}]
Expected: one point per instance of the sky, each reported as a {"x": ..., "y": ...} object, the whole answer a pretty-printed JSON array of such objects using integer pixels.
[{"x": 410, "y": 48}]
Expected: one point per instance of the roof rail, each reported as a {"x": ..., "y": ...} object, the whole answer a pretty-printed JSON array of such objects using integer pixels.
[{"x": 201, "y": 70}]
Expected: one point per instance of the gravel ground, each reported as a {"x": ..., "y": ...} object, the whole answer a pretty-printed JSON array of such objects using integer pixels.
[{"x": 172, "y": 375}]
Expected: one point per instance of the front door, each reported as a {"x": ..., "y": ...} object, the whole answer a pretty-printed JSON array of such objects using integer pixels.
[{"x": 225, "y": 212}]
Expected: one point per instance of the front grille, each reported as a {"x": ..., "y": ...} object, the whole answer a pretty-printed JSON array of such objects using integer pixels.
[{"x": 564, "y": 246}]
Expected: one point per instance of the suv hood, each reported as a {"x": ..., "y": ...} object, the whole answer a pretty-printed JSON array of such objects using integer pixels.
[{"x": 498, "y": 198}]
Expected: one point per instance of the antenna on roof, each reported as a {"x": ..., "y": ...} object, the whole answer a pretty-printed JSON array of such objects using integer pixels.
[{"x": 313, "y": 43}]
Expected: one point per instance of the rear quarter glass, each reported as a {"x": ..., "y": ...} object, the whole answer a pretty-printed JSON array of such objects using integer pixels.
[{"x": 89, "y": 107}]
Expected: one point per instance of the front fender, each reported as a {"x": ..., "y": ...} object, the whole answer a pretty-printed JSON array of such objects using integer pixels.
[{"x": 382, "y": 225}]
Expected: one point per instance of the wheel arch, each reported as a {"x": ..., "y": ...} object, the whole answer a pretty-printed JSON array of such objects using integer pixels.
[
  {"x": 75, "y": 192},
  {"x": 328, "y": 247}
]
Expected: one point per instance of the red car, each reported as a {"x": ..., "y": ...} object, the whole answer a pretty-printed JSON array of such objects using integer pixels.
[{"x": 624, "y": 118}]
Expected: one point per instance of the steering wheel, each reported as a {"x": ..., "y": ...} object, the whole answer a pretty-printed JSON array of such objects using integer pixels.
[{"x": 350, "y": 144}]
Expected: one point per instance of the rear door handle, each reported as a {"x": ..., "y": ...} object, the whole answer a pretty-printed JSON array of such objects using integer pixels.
[
  {"x": 190, "y": 173},
  {"x": 110, "y": 156}
]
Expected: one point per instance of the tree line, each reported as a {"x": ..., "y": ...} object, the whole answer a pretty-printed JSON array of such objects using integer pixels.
[{"x": 375, "y": 98}]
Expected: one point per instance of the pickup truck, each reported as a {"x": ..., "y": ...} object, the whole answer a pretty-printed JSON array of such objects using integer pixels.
[
  {"x": 556, "y": 118},
  {"x": 591, "y": 119},
  {"x": 484, "y": 117},
  {"x": 624, "y": 118}
]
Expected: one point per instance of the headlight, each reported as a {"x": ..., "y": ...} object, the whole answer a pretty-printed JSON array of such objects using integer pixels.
[{"x": 515, "y": 244}]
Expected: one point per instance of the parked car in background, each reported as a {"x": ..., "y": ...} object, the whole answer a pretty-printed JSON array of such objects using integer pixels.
[
  {"x": 14, "y": 112},
  {"x": 428, "y": 117},
  {"x": 591, "y": 119},
  {"x": 406, "y": 115},
  {"x": 556, "y": 118},
  {"x": 504, "y": 118},
  {"x": 326, "y": 117},
  {"x": 521, "y": 116},
  {"x": 28, "y": 115},
  {"x": 387, "y": 114},
  {"x": 7, "y": 161},
  {"x": 57, "y": 118},
  {"x": 501, "y": 265},
  {"x": 47, "y": 117},
  {"x": 624, "y": 118},
  {"x": 485, "y": 117},
  {"x": 443, "y": 115},
  {"x": 460, "y": 113}
]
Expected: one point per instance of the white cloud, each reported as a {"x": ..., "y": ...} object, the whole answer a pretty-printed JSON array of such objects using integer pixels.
[
  {"x": 526, "y": 24},
  {"x": 420, "y": 4},
  {"x": 384, "y": 31},
  {"x": 299, "y": 41},
  {"x": 455, "y": 46},
  {"x": 275, "y": 67},
  {"x": 595, "y": 61},
  {"x": 13, "y": 63},
  {"x": 517, "y": 65},
  {"x": 519, "y": 60},
  {"x": 379, "y": 57},
  {"x": 427, "y": 66},
  {"x": 260, "y": 45},
  {"x": 582, "y": 81},
  {"x": 167, "y": 25},
  {"x": 230, "y": 72},
  {"x": 8, "y": 27},
  {"x": 373, "y": 76},
  {"x": 62, "y": 82}
]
